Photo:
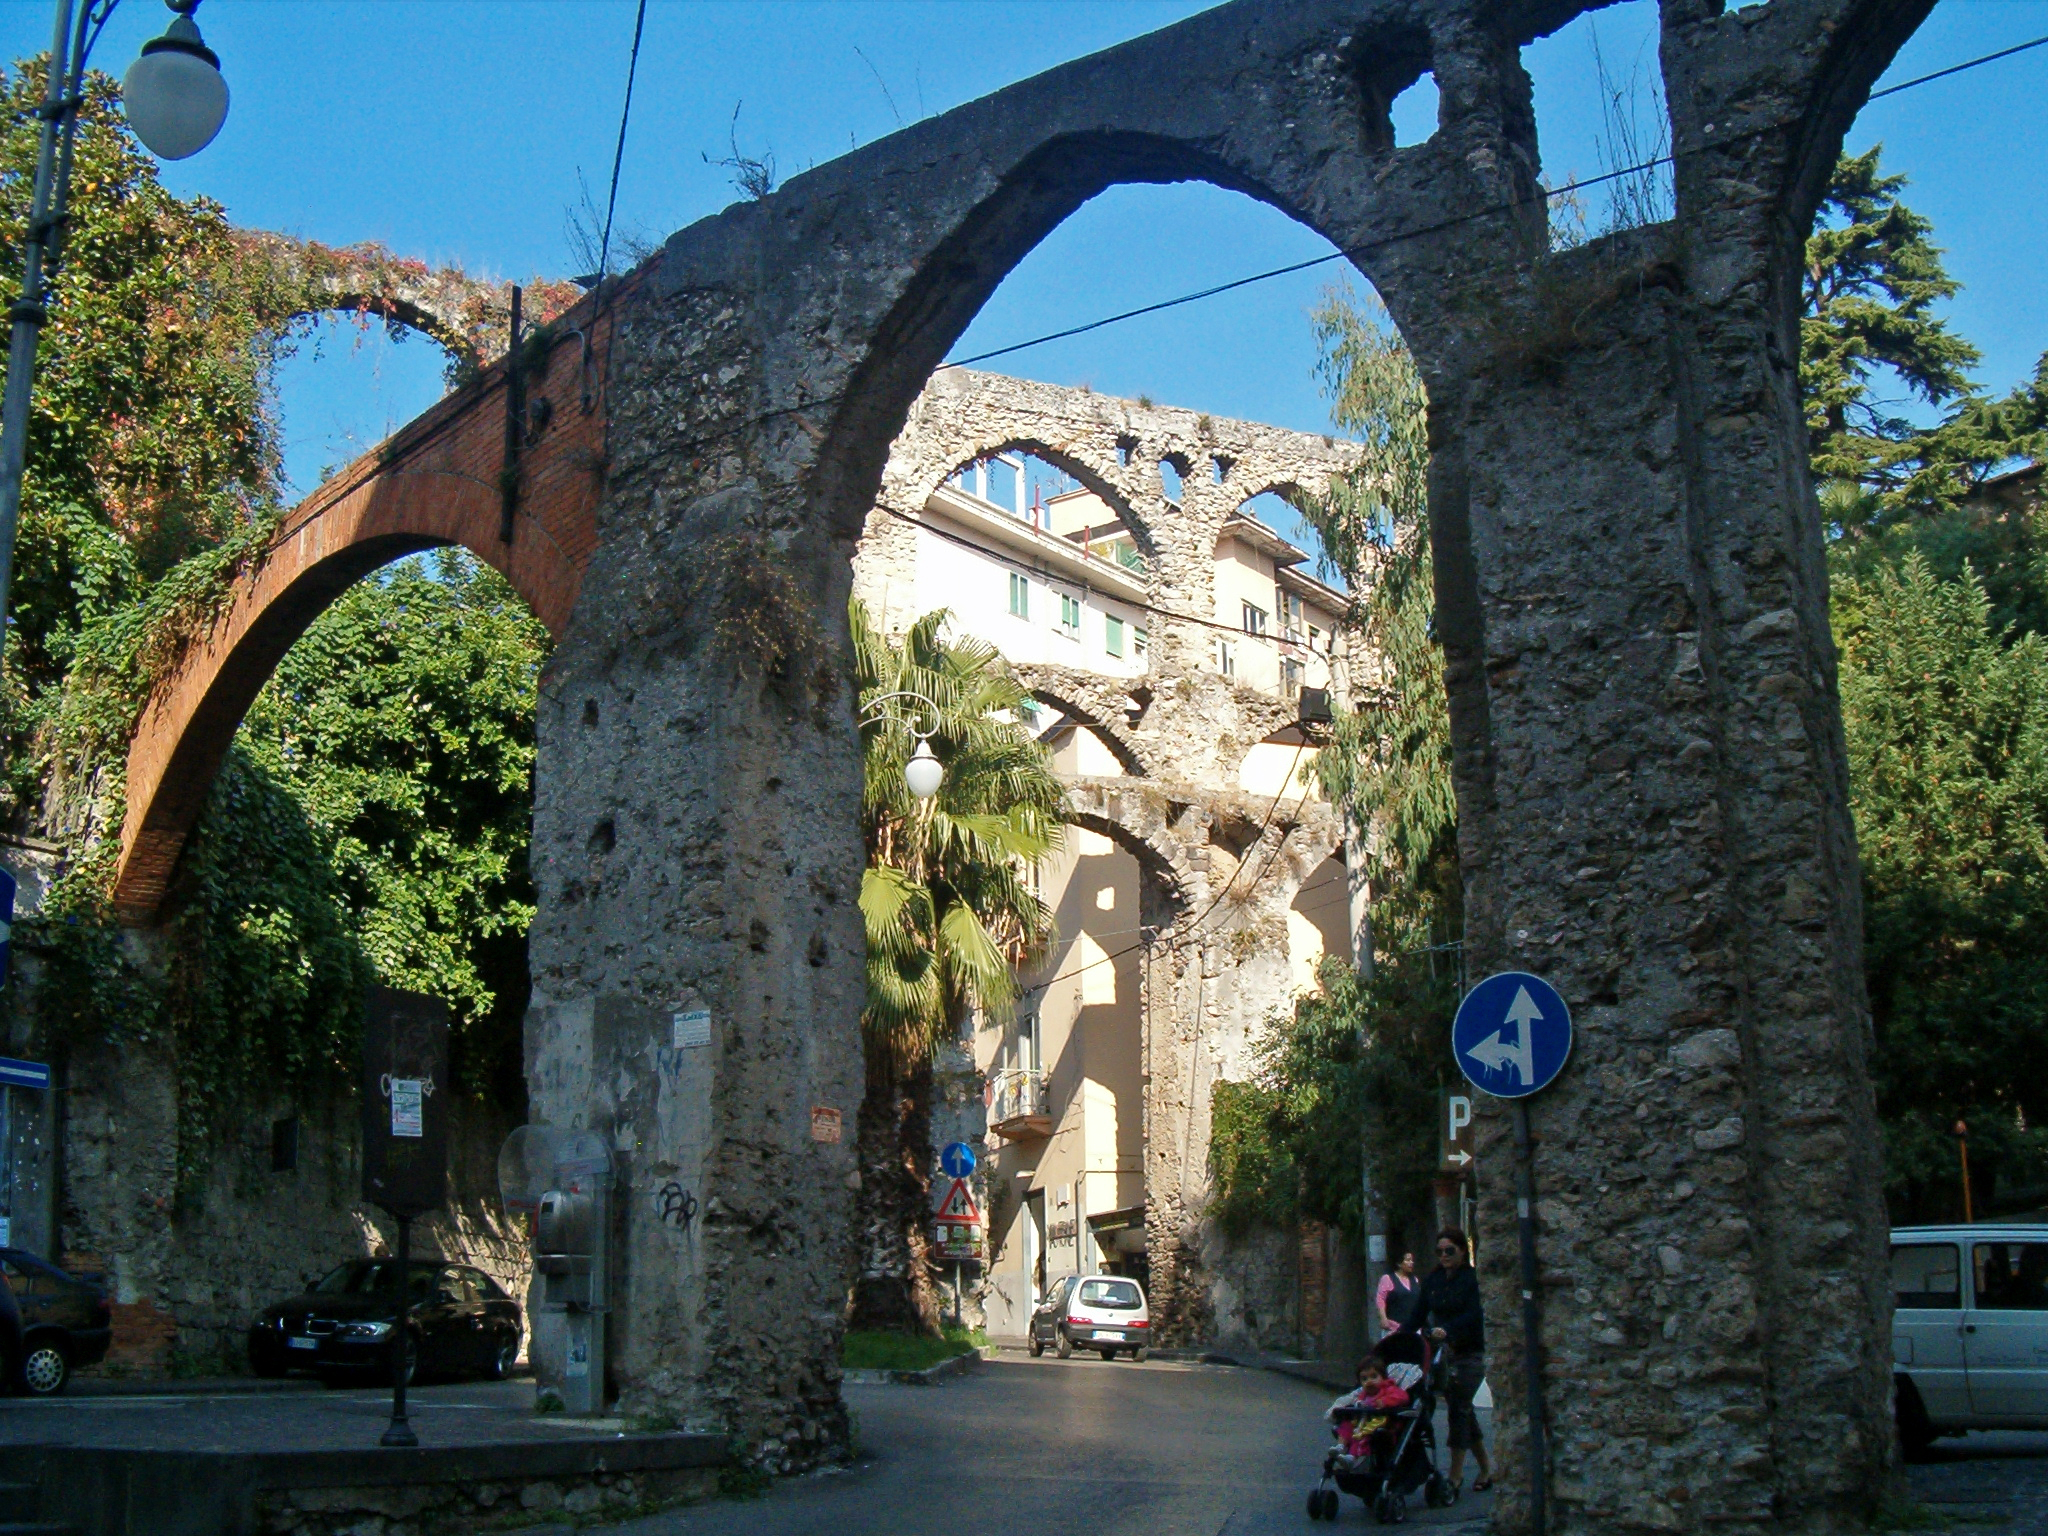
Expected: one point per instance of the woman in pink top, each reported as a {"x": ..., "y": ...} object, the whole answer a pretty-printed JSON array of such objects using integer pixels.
[{"x": 1397, "y": 1295}]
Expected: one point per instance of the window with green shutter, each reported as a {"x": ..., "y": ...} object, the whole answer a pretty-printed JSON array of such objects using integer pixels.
[
  {"x": 1020, "y": 595},
  {"x": 1113, "y": 636}
]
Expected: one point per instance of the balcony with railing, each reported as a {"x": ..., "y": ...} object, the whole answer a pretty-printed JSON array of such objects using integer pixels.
[{"x": 1019, "y": 1106}]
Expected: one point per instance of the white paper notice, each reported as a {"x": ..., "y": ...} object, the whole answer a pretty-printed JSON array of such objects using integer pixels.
[
  {"x": 692, "y": 1028},
  {"x": 406, "y": 1101}
]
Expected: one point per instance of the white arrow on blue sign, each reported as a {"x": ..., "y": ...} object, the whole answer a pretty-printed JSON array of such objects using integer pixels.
[
  {"x": 958, "y": 1160},
  {"x": 1512, "y": 1035}
]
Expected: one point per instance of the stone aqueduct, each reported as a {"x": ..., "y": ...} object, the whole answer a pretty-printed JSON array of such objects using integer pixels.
[{"x": 1631, "y": 596}]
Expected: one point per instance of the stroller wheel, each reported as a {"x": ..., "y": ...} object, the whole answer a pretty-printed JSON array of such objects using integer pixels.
[
  {"x": 1329, "y": 1503},
  {"x": 1436, "y": 1493},
  {"x": 1390, "y": 1509},
  {"x": 1315, "y": 1503}
]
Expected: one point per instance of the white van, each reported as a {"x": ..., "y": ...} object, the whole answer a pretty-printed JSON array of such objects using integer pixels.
[{"x": 1969, "y": 1330}]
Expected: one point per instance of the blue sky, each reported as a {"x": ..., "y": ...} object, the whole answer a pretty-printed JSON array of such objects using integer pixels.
[{"x": 455, "y": 130}]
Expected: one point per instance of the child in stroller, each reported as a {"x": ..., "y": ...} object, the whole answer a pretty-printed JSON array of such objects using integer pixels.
[{"x": 1386, "y": 1444}]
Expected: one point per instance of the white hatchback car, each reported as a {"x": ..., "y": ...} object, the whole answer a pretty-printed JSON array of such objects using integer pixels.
[
  {"x": 1969, "y": 1330},
  {"x": 1100, "y": 1312}
]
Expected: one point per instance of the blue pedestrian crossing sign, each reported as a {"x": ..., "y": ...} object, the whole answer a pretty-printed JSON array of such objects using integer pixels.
[
  {"x": 957, "y": 1160},
  {"x": 1512, "y": 1035}
]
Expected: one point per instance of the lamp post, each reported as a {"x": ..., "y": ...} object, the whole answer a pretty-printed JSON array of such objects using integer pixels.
[
  {"x": 924, "y": 773},
  {"x": 176, "y": 102}
]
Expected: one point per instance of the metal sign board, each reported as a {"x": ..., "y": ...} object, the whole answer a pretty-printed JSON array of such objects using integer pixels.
[
  {"x": 956, "y": 1242},
  {"x": 1454, "y": 1132},
  {"x": 405, "y": 1101},
  {"x": 23, "y": 1074},
  {"x": 958, "y": 1207},
  {"x": 957, "y": 1160},
  {"x": 1512, "y": 1035}
]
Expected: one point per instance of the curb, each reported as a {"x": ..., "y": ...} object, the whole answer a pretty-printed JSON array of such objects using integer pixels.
[{"x": 958, "y": 1365}]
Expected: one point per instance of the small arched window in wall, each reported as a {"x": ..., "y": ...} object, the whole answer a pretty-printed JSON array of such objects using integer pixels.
[{"x": 1172, "y": 477}]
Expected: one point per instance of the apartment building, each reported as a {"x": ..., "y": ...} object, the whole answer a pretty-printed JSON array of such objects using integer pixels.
[{"x": 1115, "y": 555}]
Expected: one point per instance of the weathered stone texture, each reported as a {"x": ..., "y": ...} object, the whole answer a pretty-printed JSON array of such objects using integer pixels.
[
  {"x": 1629, "y": 573},
  {"x": 1633, "y": 605}
]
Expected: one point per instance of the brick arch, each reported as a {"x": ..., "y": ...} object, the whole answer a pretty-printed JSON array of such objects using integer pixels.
[{"x": 436, "y": 483}]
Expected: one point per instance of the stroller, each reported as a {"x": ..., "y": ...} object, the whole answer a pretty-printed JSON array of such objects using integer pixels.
[{"x": 1401, "y": 1458}]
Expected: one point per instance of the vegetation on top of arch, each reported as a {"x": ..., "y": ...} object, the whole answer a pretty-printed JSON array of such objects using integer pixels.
[{"x": 154, "y": 489}]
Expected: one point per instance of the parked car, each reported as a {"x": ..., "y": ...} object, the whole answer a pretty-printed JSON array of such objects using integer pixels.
[
  {"x": 461, "y": 1323},
  {"x": 1969, "y": 1330},
  {"x": 66, "y": 1322},
  {"x": 1101, "y": 1312}
]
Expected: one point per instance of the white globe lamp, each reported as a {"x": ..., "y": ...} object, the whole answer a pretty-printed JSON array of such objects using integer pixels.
[
  {"x": 923, "y": 773},
  {"x": 174, "y": 94}
]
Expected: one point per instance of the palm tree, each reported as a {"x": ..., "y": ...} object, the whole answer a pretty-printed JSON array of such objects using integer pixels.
[{"x": 949, "y": 911}]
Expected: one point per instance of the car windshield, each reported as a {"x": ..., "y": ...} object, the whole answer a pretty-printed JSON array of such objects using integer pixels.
[
  {"x": 1111, "y": 1295},
  {"x": 366, "y": 1277}
]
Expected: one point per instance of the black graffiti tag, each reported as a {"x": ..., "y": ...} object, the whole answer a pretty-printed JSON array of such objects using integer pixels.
[{"x": 675, "y": 1206}]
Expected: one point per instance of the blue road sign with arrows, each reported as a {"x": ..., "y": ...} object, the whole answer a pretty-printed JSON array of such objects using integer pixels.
[
  {"x": 957, "y": 1160},
  {"x": 1512, "y": 1035}
]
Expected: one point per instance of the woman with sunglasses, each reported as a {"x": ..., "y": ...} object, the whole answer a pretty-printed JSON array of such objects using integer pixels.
[{"x": 1449, "y": 1311}]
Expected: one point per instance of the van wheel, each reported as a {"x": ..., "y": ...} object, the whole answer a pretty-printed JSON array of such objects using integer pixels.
[
  {"x": 1065, "y": 1348},
  {"x": 1035, "y": 1345},
  {"x": 1916, "y": 1434},
  {"x": 1138, "y": 1353},
  {"x": 1109, "y": 1354}
]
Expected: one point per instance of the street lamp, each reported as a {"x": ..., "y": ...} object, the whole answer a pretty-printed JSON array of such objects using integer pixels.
[
  {"x": 176, "y": 101},
  {"x": 924, "y": 772},
  {"x": 175, "y": 96}
]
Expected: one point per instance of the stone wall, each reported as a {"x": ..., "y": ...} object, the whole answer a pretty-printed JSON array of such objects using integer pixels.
[{"x": 188, "y": 1268}]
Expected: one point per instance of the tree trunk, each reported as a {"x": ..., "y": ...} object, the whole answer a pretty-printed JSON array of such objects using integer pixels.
[{"x": 893, "y": 1210}]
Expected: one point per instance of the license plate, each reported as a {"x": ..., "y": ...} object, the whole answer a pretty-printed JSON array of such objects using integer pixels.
[
  {"x": 303, "y": 1343},
  {"x": 1110, "y": 1333}
]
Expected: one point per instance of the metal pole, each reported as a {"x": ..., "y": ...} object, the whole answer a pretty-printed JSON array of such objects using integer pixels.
[
  {"x": 400, "y": 1432},
  {"x": 956, "y": 1292},
  {"x": 59, "y": 113},
  {"x": 1525, "y": 1220},
  {"x": 1963, "y": 1152}
]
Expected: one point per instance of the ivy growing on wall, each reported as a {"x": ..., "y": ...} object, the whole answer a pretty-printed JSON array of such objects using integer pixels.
[{"x": 371, "y": 818}]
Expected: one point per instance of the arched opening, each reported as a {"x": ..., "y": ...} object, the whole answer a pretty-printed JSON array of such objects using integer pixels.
[{"x": 1184, "y": 637}]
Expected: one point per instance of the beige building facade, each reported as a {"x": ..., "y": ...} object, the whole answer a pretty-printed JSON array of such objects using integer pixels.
[{"x": 1182, "y": 654}]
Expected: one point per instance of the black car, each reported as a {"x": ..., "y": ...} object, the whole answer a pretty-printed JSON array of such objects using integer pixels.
[
  {"x": 461, "y": 1323},
  {"x": 66, "y": 1322}
]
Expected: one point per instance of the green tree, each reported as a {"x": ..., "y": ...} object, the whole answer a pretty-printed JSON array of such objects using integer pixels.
[
  {"x": 150, "y": 435},
  {"x": 402, "y": 722},
  {"x": 1873, "y": 285},
  {"x": 1355, "y": 1066},
  {"x": 1947, "y": 727},
  {"x": 949, "y": 911},
  {"x": 371, "y": 816}
]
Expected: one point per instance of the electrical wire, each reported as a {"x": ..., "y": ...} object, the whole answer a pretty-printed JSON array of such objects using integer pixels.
[
  {"x": 1364, "y": 248},
  {"x": 1441, "y": 226},
  {"x": 1192, "y": 927},
  {"x": 611, "y": 202}
]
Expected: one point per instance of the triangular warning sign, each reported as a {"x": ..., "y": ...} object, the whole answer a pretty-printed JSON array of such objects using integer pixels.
[{"x": 958, "y": 1206}]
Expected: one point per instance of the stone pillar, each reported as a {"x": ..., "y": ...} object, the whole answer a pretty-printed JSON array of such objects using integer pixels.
[
  {"x": 1653, "y": 815},
  {"x": 697, "y": 846}
]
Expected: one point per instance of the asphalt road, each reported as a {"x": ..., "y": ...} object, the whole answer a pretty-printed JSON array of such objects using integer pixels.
[{"x": 1045, "y": 1447}]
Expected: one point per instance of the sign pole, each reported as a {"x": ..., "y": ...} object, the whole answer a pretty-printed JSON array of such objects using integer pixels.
[
  {"x": 1511, "y": 1038},
  {"x": 400, "y": 1432},
  {"x": 1525, "y": 1222}
]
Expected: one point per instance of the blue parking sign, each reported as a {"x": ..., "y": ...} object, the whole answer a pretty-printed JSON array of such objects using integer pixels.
[{"x": 1512, "y": 1035}]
